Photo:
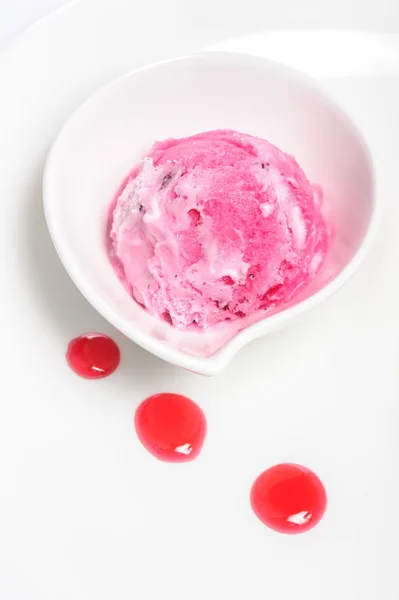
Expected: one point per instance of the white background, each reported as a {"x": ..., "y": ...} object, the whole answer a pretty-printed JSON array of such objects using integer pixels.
[
  {"x": 16, "y": 15},
  {"x": 85, "y": 512}
]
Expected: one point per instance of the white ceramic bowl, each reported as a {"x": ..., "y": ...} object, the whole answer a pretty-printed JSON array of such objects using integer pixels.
[{"x": 101, "y": 142}]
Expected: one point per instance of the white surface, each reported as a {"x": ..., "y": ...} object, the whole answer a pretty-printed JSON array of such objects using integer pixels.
[
  {"x": 85, "y": 512},
  {"x": 210, "y": 91},
  {"x": 16, "y": 15}
]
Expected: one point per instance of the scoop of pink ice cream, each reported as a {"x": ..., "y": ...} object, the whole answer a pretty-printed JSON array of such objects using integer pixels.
[{"x": 216, "y": 226}]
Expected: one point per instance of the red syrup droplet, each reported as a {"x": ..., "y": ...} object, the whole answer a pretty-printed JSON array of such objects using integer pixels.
[
  {"x": 93, "y": 355},
  {"x": 171, "y": 427},
  {"x": 289, "y": 498}
]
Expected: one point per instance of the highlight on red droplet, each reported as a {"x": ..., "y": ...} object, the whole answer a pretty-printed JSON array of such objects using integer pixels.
[
  {"x": 93, "y": 355},
  {"x": 171, "y": 427},
  {"x": 289, "y": 498}
]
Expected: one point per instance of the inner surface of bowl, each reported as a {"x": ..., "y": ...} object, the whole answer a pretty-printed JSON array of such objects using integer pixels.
[{"x": 113, "y": 130}]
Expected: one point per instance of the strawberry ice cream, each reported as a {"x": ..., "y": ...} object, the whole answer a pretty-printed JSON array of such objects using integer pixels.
[{"x": 216, "y": 226}]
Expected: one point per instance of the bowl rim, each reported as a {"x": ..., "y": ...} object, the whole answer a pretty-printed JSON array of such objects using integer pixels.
[{"x": 215, "y": 363}]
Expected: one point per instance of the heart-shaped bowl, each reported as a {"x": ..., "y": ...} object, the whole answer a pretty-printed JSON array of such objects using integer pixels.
[{"x": 105, "y": 137}]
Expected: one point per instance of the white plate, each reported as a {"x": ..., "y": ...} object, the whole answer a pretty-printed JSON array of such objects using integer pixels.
[{"x": 85, "y": 512}]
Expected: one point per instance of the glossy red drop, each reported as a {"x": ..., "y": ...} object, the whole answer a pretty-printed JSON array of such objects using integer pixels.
[
  {"x": 93, "y": 355},
  {"x": 171, "y": 427},
  {"x": 289, "y": 498}
]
